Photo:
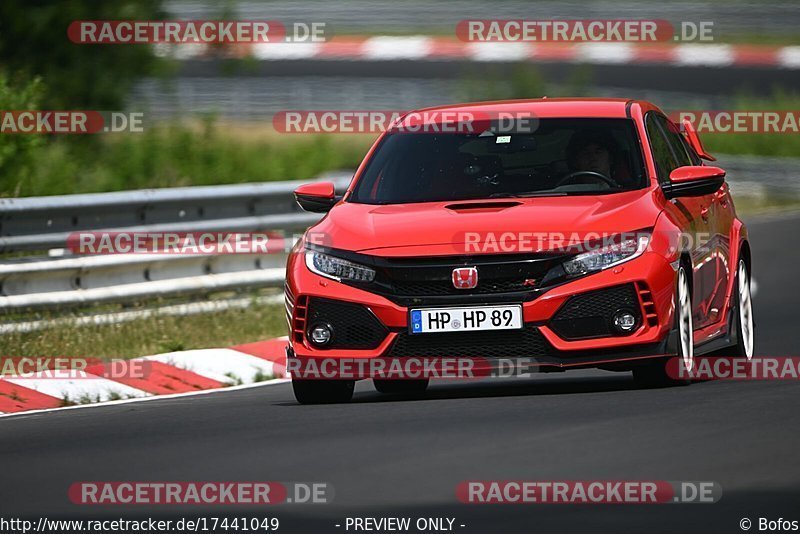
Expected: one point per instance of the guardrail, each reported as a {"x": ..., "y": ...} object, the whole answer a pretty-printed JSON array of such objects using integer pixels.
[
  {"x": 54, "y": 283},
  {"x": 38, "y": 223},
  {"x": 62, "y": 281}
]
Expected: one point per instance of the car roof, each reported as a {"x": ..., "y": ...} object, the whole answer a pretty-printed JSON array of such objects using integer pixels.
[{"x": 551, "y": 107}]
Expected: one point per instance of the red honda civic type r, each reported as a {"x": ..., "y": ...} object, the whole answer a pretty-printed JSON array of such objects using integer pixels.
[{"x": 592, "y": 237}]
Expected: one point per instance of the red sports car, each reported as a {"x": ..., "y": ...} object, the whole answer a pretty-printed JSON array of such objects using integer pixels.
[{"x": 590, "y": 235}]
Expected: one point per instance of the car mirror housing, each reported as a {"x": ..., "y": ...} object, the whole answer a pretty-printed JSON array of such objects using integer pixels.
[
  {"x": 693, "y": 181},
  {"x": 317, "y": 197}
]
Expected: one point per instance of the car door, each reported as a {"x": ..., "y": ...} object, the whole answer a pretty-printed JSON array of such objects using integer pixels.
[
  {"x": 718, "y": 209},
  {"x": 693, "y": 214},
  {"x": 724, "y": 216}
]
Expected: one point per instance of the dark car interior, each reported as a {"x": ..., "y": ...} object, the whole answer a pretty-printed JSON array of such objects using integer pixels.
[{"x": 422, "y": 167}]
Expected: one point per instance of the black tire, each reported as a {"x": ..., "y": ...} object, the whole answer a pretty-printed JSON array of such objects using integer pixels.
[
  {"x": 655, "y": 374},
  {"x": 404, "y": 387},
  {"x": 323, "y": 391},
  {"x": 740, "y": 349}
]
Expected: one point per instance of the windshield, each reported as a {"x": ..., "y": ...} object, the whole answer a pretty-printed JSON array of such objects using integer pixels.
[{"x": 561, "y": 157}]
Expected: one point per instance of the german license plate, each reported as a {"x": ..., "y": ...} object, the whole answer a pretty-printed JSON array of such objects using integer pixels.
[{"x": 466, "y": 319}]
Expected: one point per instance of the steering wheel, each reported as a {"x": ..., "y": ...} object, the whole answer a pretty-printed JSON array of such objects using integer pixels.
[{"x": 599, "y": 175}]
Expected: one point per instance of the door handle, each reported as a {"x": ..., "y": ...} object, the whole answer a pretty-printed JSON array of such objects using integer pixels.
[{"x": 704, "y": 213}]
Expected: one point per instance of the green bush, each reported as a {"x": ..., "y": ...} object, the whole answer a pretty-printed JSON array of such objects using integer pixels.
[
  {"x": 34, "y": 42},
  {"x": 17, "y": 150},
  {"x": 178, "y": 155}
]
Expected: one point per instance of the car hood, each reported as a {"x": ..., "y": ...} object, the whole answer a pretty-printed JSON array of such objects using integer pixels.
[{"x": 439, "y": 228}]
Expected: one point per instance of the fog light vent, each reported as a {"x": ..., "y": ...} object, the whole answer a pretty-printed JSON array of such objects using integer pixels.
[
  {"x": 320, "y": 334},
  {"x": 624, "y": 321}
]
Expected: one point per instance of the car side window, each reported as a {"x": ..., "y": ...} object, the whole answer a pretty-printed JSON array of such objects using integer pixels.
[
  {"x": 675, "y": 140},
  {"x": 662, "y": 153}
]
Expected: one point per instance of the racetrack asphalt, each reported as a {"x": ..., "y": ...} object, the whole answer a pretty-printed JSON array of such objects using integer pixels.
[{"x": 390, "y": 457}]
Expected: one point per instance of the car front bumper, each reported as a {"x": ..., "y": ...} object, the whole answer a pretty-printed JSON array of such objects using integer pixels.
[{"x": 650, "y": 277}]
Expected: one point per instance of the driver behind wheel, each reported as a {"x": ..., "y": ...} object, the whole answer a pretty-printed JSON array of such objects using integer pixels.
[{"x": 594, "y": 151}]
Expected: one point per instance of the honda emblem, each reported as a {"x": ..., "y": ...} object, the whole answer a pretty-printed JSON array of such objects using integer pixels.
[{"x": 465, "y": 277}]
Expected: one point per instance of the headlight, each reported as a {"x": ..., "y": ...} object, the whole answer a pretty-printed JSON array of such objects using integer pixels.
[
  {"x": 608, "y": 255},
  {"x": 337, "y": 268}
]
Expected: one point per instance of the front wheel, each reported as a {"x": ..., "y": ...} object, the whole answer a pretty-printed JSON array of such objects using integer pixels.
[
  {"x": 655, "y": 374},
  {"x": 323, "y": 391},
  {"x": 743, "y": 314}
]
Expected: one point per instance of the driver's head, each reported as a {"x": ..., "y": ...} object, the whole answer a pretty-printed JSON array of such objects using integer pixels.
[{"x": 591, "y": 150}]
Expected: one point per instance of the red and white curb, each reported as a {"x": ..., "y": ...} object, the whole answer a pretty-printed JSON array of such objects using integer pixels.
[
  {"x": 169, "y": 374},
  {"x": 422, "y": 47}
]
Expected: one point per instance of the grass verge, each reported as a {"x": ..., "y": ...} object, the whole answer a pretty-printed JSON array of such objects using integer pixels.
[
  {"x": 753, "y": 206},
  {"x": 152, "y": 335}
]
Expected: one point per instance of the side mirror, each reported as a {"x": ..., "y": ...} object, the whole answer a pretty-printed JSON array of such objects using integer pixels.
[
  {"x": 694, "y": 140},
  {"x": 317, "y": 197},
  {"x": 693, "y": 181}
]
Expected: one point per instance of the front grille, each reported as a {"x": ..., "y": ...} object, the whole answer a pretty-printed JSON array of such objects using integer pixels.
[
  {"x": 354, "y": 326},
  {"x": 406, "y": 280},
  {"x": 445, "y": 287},
  {"x": 525, "y": 343},
  {"x": 591, "y": 314}
]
